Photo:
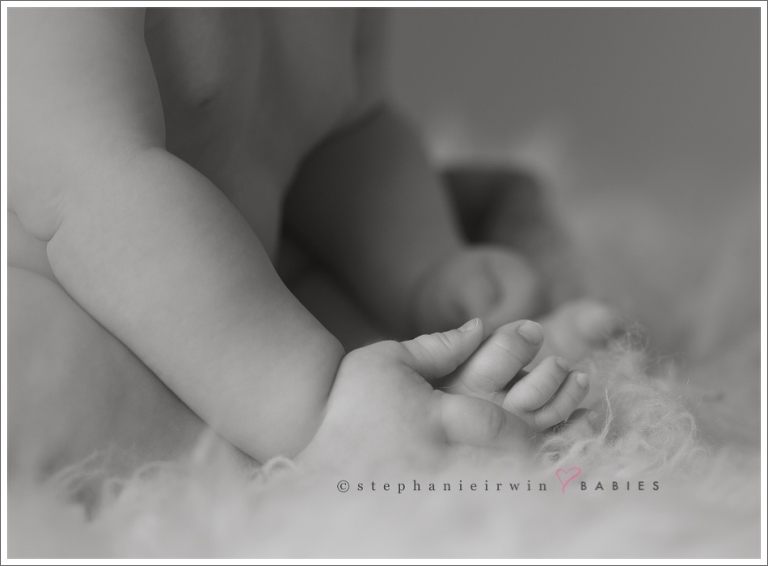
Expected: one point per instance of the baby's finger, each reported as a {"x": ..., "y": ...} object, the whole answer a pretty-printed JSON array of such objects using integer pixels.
[
  {"x": 436, "y": 355},
  {"x": 565, "y": 401},
  {"x": 498, "y": 360},
  {"x": 472, "y": 421},
  {"x": 538, "y": 387}
]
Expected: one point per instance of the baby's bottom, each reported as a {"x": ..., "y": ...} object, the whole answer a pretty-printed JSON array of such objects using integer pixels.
[{"x": 75, "y": 389}]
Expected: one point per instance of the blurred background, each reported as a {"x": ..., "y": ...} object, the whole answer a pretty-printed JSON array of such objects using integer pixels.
[{"x": 643, "y": 123}]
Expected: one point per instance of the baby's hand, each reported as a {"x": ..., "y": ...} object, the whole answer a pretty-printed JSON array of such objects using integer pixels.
[
  {"x": 383, "y": 404},
  {"x": 499, "y": 286},
  {"x": 546, "y": 396}
]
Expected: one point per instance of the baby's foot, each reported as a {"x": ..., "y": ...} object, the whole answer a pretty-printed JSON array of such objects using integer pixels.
[
  {"x": 575, "y": 328},
  {"x": 542, "y": 398}
]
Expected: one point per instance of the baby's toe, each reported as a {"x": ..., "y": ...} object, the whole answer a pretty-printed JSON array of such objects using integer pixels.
[
  {"x": 566, "y": 400},
  {"x": 499, "y": 359},
  {"x": 535, "y": 389}
]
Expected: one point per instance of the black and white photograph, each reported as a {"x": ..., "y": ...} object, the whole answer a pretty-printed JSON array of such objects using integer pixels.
[{"x": 383, "y": 280}]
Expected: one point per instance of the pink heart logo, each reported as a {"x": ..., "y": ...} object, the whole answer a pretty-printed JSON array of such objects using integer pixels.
[{"x": 567, "y": 475}]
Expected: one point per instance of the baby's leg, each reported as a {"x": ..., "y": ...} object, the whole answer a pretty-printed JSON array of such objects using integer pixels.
[
  {"x": 542, "y": 398},
  {"x": 75, "y": 389}
]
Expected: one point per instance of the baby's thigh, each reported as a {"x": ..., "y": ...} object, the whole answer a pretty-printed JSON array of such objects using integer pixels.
[{"x": 74, "y": 389}]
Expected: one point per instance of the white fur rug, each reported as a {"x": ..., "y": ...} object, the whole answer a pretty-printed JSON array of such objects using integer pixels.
[{"x": 689, "y": 425}]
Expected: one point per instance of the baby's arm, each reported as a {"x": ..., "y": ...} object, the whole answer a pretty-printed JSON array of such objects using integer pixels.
[{"x": 146, "y": 244}]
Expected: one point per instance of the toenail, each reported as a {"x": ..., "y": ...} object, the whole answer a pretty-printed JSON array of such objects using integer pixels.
[
  {"x": 531, "y": 332},
  {"x": 582, "y": 379},
  {"x": 562, "y": 363}
]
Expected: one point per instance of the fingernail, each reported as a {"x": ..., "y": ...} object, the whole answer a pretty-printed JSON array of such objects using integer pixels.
[
  {"x": 562, "y": 364},
  {"x": 531, "y": 332},
  {"x": 582, "y": 379},
  {"x": 470, "y": 325}
]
